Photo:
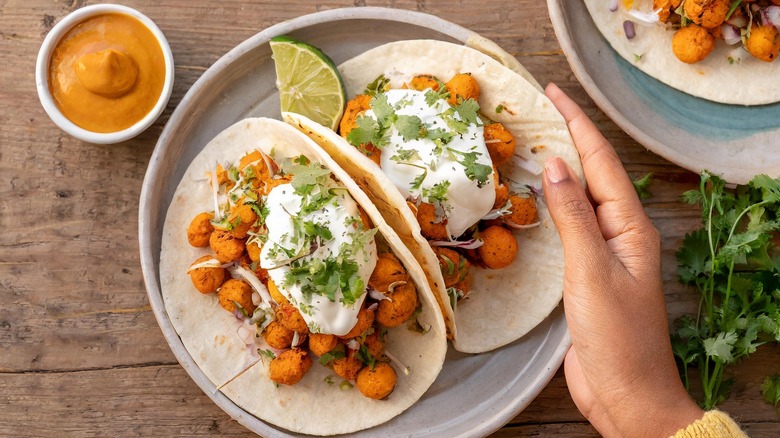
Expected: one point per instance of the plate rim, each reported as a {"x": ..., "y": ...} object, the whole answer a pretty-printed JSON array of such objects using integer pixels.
[{"x": 151, "y": 272}]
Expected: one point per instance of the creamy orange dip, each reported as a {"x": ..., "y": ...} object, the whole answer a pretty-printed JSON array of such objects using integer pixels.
[{"x": 107, "y": 73}]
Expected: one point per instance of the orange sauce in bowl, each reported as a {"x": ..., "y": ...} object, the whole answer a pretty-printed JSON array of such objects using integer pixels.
[{"x": 107, "y": 73}]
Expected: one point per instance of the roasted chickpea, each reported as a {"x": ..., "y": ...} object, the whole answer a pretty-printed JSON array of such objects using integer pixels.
[
  {"x": 499, "y": 248},
  {"x": 275, "y": 293},
  {"x": 243, "y": 217},
  {"x": 365, "y": 320},
  {"x": 464, "y": 285},
  {"x": 347, "y": 367},
  {"x": 764, "y": 43},
  {"x": 707, "y": 13},
  {"x": 462, "y": 86},
  {"x": 377, "y": 382},
  {"x": 235, "y": 291},
  {"x": 200, "y": 230},
  {"x": 374, "y": 344},
  {"x": 278, "y": 336},
  {"x": 424, "y": 82},
  {"x": 365, "y": 219},
  {"x": 290, "y": 317},
  {"x": 502, "y": 191},
  {"x": 431, "y": 227},
  {"x": 355, "y": 108},
  {"x": 523, "y": 210},
  {"x": 206, "y": 280},
  {"x": 257, "y": 163},
  {"x": 500, "y": 143},
  {"x": 665, "y": 8},
  {"x": 400, "y": 306},
  {"x": 290, "y": 366},
  {"x": 320, "y": 343},
  {"x": 388, "y": 270},
  {"x": 253, "y": 251},
  {"x": 454, "y": 267},
  {"x": 225, "y": 246},
  {"x": 692, "y": 43}
]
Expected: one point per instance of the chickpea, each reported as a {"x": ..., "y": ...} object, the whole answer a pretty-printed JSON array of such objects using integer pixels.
[
  {"x": 454, "y": 267},
  {"x": 243, "y": 217},
  {"x": 692, "y": 43},
  {"x": 206, "y": 280},
  {"x": 290, "y": 317},
  {"x": 200, "y": 230},
  {"x": 290, "y": 366},
  {"x": 523, "y": 210},
  {"x": 320, "y": 343},
  {"x": 225, "y": 246},
  {"x": 377, "y": 382},
  {"x": 499, "y": 248},
  {"x": 355, "y": 108},
  {"x": 388, "y": 270},
  {"x": 275, "y": 293},
  {"x": 764, "y": 43},
  {"x": 707, "y": 13},
  {"x": 431, "y": 227},
  {"x": 374, "y": 344},
  {"x": 365, "y": 320},
  {"x": 502, "y": 191},
  {"x": 400, "y": 306},
  {"x": 347, "y": 367},
  {"x": 424, "y": 82},
  {"x": 462, "y": 86},
  {"x": 500, "y": 143},
  {"x": 235, "y": 291},
  {"x": 278, "y": 336}
]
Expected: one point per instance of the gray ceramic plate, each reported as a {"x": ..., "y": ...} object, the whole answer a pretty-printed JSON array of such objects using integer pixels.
[
  {"x": 475, "y": 394},
  {"x": 734, "y": 141}
]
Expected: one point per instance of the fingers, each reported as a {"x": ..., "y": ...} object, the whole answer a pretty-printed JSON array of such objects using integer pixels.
[
  {"x": 607, "y": 179},
  {"x": 573, "y": 215}
]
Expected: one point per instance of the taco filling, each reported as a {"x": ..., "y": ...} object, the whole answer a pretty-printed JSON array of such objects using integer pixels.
[
  {"x": 298, "y": 261},
  {"x": 442, "y": 154}
]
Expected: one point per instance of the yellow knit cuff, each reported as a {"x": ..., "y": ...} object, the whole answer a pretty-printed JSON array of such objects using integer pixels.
[{"x": 714, "y": 424}]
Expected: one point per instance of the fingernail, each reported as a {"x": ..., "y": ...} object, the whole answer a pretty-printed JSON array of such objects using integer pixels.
[{"x": 555, "y": 170}]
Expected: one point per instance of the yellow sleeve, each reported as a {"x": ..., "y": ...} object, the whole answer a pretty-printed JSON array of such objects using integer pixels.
[{"x": 714, "y": 424}]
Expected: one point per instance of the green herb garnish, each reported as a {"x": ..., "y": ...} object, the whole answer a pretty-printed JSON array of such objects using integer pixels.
[{"x": 641, "y": 185}]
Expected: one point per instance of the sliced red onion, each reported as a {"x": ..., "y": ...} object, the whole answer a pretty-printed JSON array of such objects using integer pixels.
[
  {"x": 651, "y": 17},
  {"x": 296, "y": 339},
  {"x": 628, "y": 28},
  {"x": 497, "y": 213},
  {"x": 398, "y": 363},
  {"x": 464, "y": 244},
  {"x": 353, "y": 344},
  {"x": 529, "y": 165},
  {"x": 395, "y": 284},
  {"x": 373, "y": 306},
  {"x": 738, "y": 21},
  {"x": 375, "y": 294},
  {"x": 511, "y": 224},
  {"x": 210, "y": 263},
  {"x": 613, "y": 5},
  {"x": 256, "y": 298},
  {"x": 269, "y": 163},
  {"x": 255, "y": 282},
  {"x": 773, "y": 16},
  {"x": 731, "y": 34},
  {"x": 536, "y": 190}
]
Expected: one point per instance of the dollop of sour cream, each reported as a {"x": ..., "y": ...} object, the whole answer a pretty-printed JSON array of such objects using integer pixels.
[
  {"x": 467, "y": 200},
  {"x": 339, "y": 217}
]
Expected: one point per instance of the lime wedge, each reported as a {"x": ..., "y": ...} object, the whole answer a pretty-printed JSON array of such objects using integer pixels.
[{"x": 309, "y": 83}]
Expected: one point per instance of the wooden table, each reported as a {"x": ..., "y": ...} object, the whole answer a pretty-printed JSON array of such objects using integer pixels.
[{"x": 80, "y": 351}]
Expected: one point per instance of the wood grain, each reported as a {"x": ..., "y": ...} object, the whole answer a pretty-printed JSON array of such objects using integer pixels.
[{"x": 82, "y": 354}]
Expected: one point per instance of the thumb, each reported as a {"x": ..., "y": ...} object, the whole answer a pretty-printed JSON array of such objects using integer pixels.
[{"x": 572, "y": 214}]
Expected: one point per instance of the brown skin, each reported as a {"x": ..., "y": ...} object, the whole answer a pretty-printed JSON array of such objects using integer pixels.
[
  {"x": 376, "y": 383},
  {"x": 244, "y": 217},
  {"x": 764, "y": 43},
  {"x": 692, "y": 43},
  {"x": 462, "y": 87},
  {"x": 290, "y": 366},
  {"x": 347, "y": 367},
  {"x": 402, "y": 303},
  {"x": 431, "y": 227},
  {"x": 225, "y": 246},
  {"x": 523, "y": 210},
  {"x": 500, "y": 143},
  {"x": 388, "y": 270},
  {"x": 238, "y": 291},
  {"x": 278, "y": 336},
  {"x": 365, "y": 320},
  {"x": 320, "y": 343},
  {"x": 707, "y": 13},
  {"x": 454, "y": 266},
  {"x": 200, "y": 230},
  {"x": 290, "y": 317},
  {"x": 499, "y": 248},
  {"x": 207, "y": 280},
  {"x": 424, "y": 82}
]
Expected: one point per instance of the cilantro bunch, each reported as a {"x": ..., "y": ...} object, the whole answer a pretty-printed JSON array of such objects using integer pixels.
[{"x": 732, "y": 261}]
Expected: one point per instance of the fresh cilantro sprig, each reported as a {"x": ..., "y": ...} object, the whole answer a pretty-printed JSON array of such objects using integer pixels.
[
  {"x": 641, "y": 185},
  {"x": 734, "y": 264},
  {"x": 475, "y": 171}
]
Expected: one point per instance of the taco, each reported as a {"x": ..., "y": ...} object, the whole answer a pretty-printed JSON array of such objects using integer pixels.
[
  {"x": 290, "y": 291},
  {"x": 450, "y": 145},
  {"x": 719, "y": 50}
]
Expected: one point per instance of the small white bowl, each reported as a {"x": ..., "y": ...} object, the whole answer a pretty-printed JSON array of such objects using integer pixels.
[{"x": 42, "y": 70}]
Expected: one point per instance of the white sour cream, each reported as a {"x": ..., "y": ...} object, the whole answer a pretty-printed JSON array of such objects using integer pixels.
[
  {"x": 466, "y": 202},
  {"x": 320, "y": 314}
]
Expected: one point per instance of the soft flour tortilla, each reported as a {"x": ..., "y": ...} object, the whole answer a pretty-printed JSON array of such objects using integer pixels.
[
  {"x": 747, "y": 81},
  {"x": 209, "y": 333},
  {"x": 505, "y": 304}
]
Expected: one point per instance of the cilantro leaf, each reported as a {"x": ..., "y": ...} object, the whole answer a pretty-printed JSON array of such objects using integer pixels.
[
  {"x": 384, "y": 112},
  {"x": 468, "y": 110},
  {"x": 366, "y": 131},
  {"x": 770, "y": 389},
  {"x": 379, "y": 85},
  {"x": 409, "y": 127},
  {"x": 641, "y": 185},
  {"x": 474, "y": 171}
]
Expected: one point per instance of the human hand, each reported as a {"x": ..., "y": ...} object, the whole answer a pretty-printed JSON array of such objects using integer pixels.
[{"x": 620, "y": 369}]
